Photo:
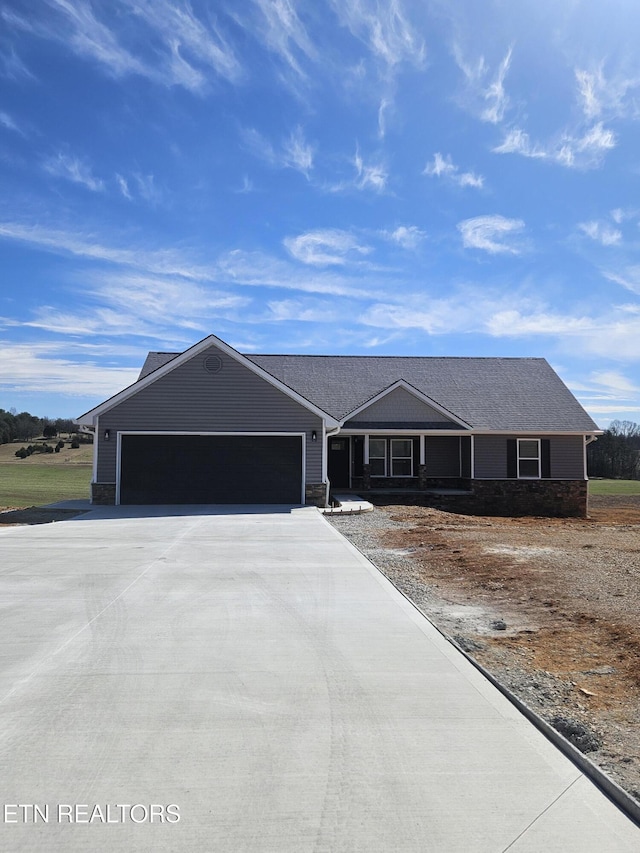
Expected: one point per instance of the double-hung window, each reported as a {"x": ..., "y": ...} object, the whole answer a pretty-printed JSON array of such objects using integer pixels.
[
  {"x": 401, "y": 457},
  {"x": 529, "y": 458},
  {"x": 378, "y": 457},
  {"x": 390, "y": 457}
]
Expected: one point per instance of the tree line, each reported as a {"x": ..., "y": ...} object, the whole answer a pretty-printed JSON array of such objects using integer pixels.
[
  {"x": 24, "y": 426},
  {"x": 616, "y": 454}
]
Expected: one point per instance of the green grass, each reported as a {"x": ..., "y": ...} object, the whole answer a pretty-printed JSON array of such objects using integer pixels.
[
  {"x": 35, "y": 484},
  {"x": 614, "y": 487}
]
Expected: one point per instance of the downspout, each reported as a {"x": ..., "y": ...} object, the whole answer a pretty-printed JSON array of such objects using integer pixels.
[
  {"x": 326, "y": 435},
  {"x": 588, "y": 439}
]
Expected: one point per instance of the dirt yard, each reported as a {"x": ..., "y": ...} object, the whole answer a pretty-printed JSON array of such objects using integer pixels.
[{"x": 550, "y": 606}]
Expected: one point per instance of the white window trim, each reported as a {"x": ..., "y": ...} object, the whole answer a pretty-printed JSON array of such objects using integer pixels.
[
  {"x": 385, "y": 457},
  {"x": 392, "y": 457},
  {"x": 530, "y": 459}
]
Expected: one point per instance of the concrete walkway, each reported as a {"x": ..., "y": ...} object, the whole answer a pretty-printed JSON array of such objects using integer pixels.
[{"x": 253, "y": 670}]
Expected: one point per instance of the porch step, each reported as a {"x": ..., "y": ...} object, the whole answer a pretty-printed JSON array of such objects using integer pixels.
[{"x": 349, "y": 504}]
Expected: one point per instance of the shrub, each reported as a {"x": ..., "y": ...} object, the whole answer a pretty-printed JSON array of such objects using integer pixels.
[
  {"x": 22, "y": 453},
  {"x": 75, "y": 444}
]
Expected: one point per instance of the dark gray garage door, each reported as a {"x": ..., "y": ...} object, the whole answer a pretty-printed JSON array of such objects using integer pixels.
[{"x": 226, "y": 469}]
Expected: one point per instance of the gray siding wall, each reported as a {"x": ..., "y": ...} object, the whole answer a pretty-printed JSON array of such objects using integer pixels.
[
  {"x": 442, "y": 456},
  {"x": 567, "y": 456},
  {"x": 192, "y": 399},
  {"x": 399, "y": 405}
]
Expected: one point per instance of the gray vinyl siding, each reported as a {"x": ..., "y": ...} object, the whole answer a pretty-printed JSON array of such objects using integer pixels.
[
  {"x": 398, "y": 405},
  {"x": 190, "y": 399},
  {"x": 442, "y": 456},
  {"x": 567, "y": 456}
]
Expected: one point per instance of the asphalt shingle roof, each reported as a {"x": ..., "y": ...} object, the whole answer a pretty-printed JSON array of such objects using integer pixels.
[{"x": 487, "y": 393}]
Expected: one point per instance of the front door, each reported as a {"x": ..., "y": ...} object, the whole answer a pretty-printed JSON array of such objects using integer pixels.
[{"x": 339, "y": 463}]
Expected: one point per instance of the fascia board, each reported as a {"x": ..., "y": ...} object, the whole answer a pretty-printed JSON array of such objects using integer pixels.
[
  {"x": 402, "y": 383},
  {"x": 88, "y": 418}
]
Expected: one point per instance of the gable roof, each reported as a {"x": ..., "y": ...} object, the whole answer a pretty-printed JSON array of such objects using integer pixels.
[
  {"x": 166, "y": 362},
  {"x": 496, "y": 394}
]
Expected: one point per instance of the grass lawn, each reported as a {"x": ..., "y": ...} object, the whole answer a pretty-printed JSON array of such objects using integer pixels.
[
  {"x": 35, "y": 484},
  {"x": 44, "y": 478},
  {"x": 614, "y": 487}
]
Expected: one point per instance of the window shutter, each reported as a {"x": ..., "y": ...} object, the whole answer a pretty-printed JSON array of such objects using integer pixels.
[
  {"x": 512, "y": 458},
  {"x": 545, "y": 461}
]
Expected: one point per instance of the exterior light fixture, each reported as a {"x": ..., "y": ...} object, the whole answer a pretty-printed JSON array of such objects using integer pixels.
[
  {"x": 107, "y": 434},
  {"x": 314, "y": 436}
]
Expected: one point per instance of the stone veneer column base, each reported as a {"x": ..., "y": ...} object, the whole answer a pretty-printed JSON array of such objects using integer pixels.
[
  {"x": 103, "y": 494},
  {"x": 315, "y": 494}
]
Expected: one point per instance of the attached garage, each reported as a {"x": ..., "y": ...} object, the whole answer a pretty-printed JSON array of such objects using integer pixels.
[{"x": 210, "y": 469}]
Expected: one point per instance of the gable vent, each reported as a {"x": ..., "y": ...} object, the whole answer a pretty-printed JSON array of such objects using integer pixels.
[{"x": 213, "y": 364}]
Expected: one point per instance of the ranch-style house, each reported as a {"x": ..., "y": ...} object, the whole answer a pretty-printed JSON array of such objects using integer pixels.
[{"x": 211, "y": 425}]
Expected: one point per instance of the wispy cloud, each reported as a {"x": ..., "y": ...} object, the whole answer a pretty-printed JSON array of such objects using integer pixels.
[
  {"x": 384, "y": 27},
  {"x": 325, "y": 247},
  {"x": 297, "y": 153},
  {"x": 283, "y": 33},
  {"x": 406, "y": 236},
  {"x": 37, "y": 368},
  {"x": 11, "y": 66},
  {"x": 608, "y": 97},
  {"x": 575, "y": 152},
  {"x": 601, "y": 232},
  {"x": 493, "y": 234},
  {"x": 628, "y": 277},
  {"x": 514, "y": 324},
  {"x": 7, "y": 121},
  {"x": 392, "y": 43},
  {"x": 232, "y": 268},
  {"x": 186, "y": 47},
  {"x": 123, "y": 186},
  {"x": 369, "y": 176},
  {"x": 294, "y": 152},
  {"x": 307, "y": 311},
  {"x": 73, "y": 169},
  {"x": 485, "y": 93},
  {"x": 443, "y": 167}
]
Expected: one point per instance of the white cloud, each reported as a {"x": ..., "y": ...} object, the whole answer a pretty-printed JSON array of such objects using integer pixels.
[
  {"x": 489, "y": 233},
  {"x": 615, "y": 383},
  {"x": 325, "y": 247},
  {"x": 305, "y": 312},
  {"x": 371, "y": 176},
  {"x": 282, "y": 31},
  {"x": 384, "y": 28},
  {"x": 7, "y": 121},
  {"x": 513, "y": 323},
  {"x": 297, "y": 153},
  {"x": 73, "y": 169},
  {"x": 123, "y": 186},
  {"x": 406, "y": 236},
  {"x": 601, "y": 232},
  {"x": 611, "y": 97},
  {"x": 443, "y": 167},
  {"x": 486, "y": 95},
  {"x": 184, "y": 46},
  {"x": 573, "y": 151},
  {"x": 629, "y": 277},
  {"x": 590, "y": 84},
  {"x": 35, "y": 368}
]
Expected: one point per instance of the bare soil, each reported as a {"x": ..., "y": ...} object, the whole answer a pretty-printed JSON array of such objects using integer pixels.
[{"x": 550, "y": 607}]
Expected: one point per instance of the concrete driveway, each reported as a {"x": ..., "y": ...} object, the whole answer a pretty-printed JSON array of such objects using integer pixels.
[{"x": 250, "y": 673}]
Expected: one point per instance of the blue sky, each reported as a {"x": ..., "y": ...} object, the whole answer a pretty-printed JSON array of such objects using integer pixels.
[{"x": 400, "y": 177}]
